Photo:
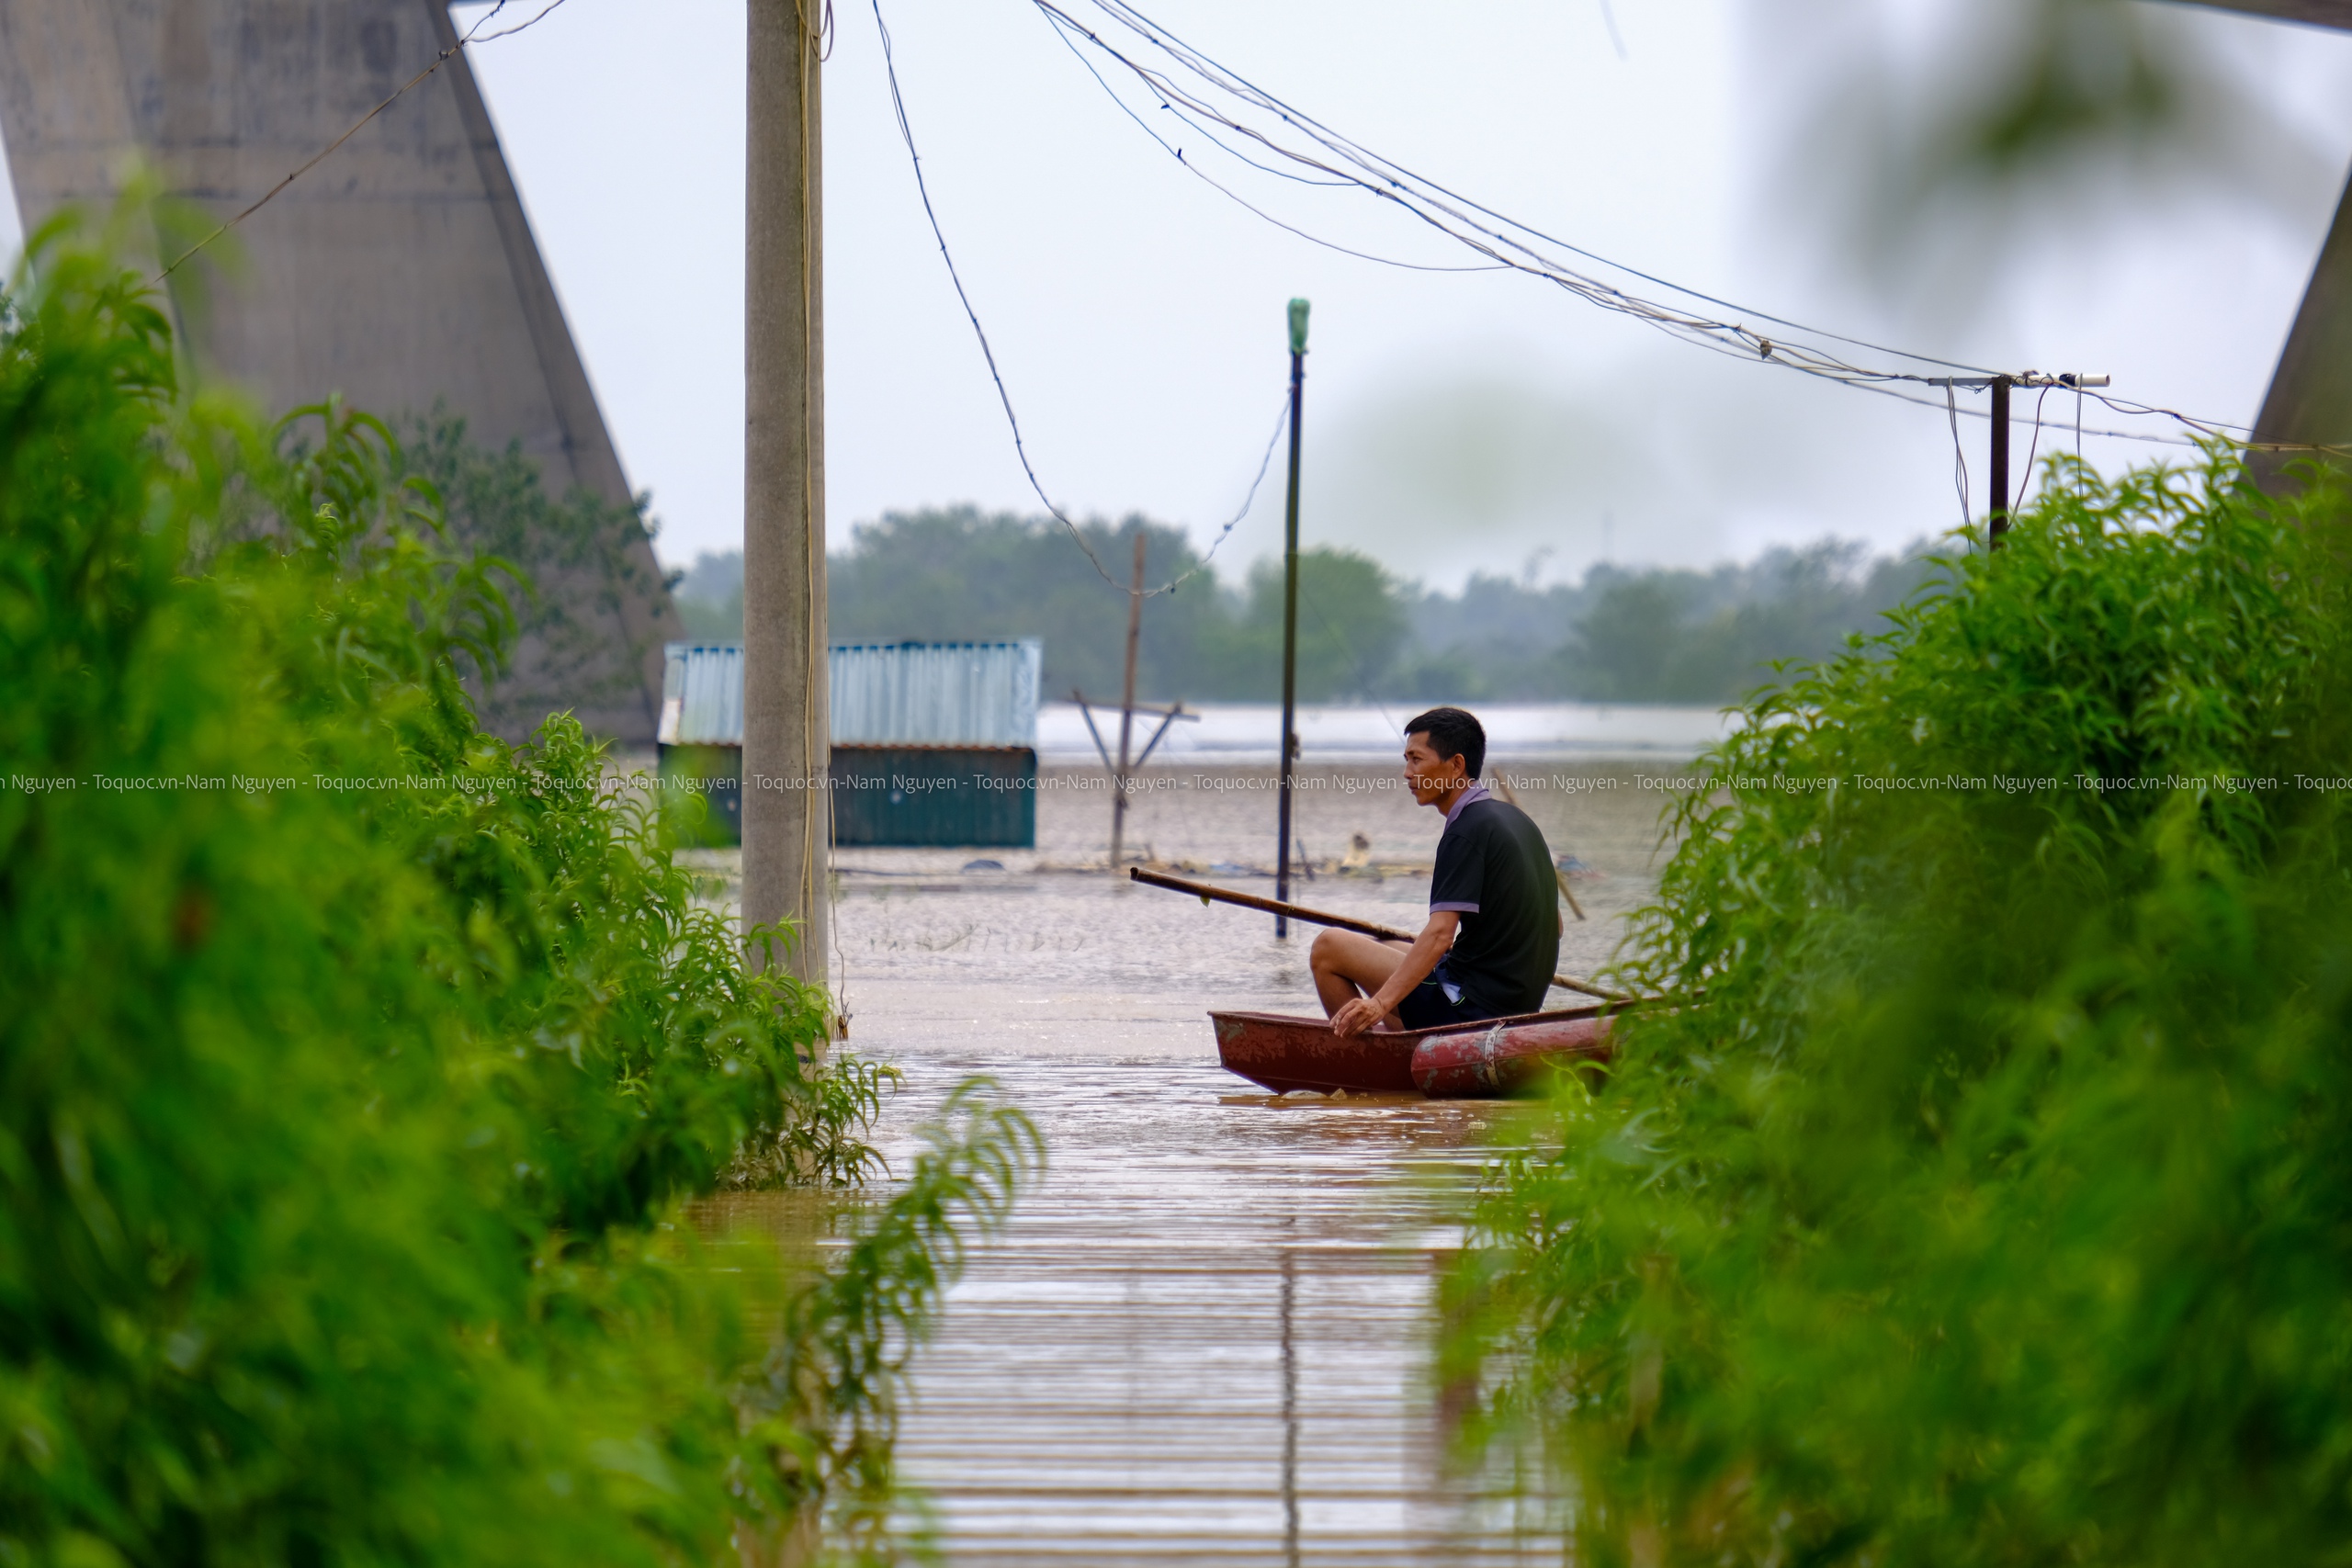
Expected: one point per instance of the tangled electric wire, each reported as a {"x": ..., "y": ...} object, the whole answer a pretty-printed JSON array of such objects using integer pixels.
[{"x": 1218, "y": 103}]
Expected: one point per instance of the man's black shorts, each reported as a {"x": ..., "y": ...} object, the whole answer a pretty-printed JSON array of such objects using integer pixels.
[{"x": 1426, "y": 1005}]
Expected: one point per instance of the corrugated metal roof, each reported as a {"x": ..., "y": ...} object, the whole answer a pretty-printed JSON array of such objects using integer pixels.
[
  {"x": 915, "y": 693},
  {"x": 702, "y": 694},
  {"x": 937, "y": 693}
]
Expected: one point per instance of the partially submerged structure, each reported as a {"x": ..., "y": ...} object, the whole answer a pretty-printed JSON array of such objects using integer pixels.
[
  {"x": 933, "y": 743},
  {"x": 401, "y": 272}
]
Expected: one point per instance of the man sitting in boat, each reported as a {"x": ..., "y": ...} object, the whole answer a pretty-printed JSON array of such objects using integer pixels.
[{"x": 1493, "y": 937}]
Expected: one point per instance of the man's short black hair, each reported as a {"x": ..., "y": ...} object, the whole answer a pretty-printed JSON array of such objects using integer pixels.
[{"x": 1452, "y": 733}]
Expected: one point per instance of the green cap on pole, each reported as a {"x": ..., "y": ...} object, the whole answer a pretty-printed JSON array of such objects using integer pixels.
[{"x": 1298, "y": 326}]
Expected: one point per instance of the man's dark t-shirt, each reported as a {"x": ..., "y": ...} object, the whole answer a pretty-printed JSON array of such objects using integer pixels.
[{"x": 1494, "y": 867}]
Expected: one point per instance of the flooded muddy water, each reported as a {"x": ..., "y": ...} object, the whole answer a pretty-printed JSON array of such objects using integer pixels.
[{"x": 1203, "y": 1338}]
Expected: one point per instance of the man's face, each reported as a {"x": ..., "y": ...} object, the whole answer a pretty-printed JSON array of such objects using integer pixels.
[{"x": 1431, "y": 777}]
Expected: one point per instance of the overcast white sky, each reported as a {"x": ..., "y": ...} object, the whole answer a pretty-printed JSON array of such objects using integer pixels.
[{"x": 1454, "y": 421}]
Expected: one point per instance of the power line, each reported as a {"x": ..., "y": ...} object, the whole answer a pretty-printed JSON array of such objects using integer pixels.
[
  {"x": 1506, "y": 241},
  {"x": 1020, "y": 446},
  {"x": 1202, "y": 175},
  {"x": 322, "y": 155},
  {"x": 2026, "y": 482},
  {"x": 1452, "y": 214},
  {"x": 1708, "y": 333},
  {"x": 1959, "y": 456},
  {"x": 1904, "y": 397},
  {"x": 1616, "y": 38},
  {"x": 1457, "y": 217},
  {"x": 505, "y": 32}
]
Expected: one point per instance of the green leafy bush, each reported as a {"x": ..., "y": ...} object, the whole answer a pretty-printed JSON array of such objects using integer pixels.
[
  {"x": 1988, "y": 1200},
  {"x": 597, "y": 605},
  {"x": 354, "y": 1066}
]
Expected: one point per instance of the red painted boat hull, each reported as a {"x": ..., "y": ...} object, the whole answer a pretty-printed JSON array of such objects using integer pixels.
[
  {"x": 1457, "y": 1061},
  {"x": 1500, "y": 1059}
]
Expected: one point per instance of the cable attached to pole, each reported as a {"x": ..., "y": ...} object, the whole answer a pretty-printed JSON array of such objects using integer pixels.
[
  {"x": 1958, "y": 458},
  {"x": 1203, "y": 93},
  {"x": 2025, "y": 482},
  {"x": 1019, "y": 445}
]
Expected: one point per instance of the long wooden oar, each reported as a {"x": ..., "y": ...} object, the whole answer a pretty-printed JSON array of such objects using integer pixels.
[{"x": 1204, "y": 891}]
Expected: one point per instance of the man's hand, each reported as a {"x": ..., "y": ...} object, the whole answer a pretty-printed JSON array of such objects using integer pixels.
[{"x": 1360, "y": 1013}]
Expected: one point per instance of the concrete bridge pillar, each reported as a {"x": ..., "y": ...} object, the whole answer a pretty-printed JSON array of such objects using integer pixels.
[{"x": 400, "y": 272}]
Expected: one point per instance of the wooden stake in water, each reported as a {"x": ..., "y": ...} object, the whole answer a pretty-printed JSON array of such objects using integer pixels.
[
  {"x": 1126, "y": 715},
  {"x": 1290, "y": 617}
]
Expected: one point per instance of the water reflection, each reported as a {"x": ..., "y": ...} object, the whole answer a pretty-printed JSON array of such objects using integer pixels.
[
  {"x": 1289, "y": 1413},
  {"x": 1204, "y": 1339}
]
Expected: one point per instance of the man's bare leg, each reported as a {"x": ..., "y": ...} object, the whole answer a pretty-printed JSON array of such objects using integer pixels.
[{"x": 1348, "y": 964}]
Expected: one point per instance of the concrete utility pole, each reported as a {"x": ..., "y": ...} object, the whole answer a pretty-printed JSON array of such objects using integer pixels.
[
  {"x": 401, "y": 271},
  {"x": 787, "y": 743}
]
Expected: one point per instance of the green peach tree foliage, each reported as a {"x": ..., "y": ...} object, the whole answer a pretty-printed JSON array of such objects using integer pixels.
[
  {"x": 347, "y": 1111},
  {"x": 1987, "y": 1198}
]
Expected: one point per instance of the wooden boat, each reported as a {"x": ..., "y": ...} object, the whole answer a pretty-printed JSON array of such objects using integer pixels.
[
  {"x": 1470, "y": 1061},
  {"x": 1456, "y": 1061}
]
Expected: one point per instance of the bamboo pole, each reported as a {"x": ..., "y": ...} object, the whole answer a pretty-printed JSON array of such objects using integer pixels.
[{"x": 1206, "y": 892}]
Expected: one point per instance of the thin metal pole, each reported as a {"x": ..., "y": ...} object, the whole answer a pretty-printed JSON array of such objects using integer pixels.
[
  {"x": 1998, "y": 521},
  {"x": 1126, "y": 715},
  {"x": 1289, "y": 615}
]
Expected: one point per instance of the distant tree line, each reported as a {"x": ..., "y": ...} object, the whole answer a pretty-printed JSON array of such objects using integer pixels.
[{"x": 1650, "y": 634}]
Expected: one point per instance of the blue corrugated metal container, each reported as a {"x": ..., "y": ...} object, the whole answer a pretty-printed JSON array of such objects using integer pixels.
[
  {"x": 934, "y": 694},
  {"x": 702, "y": 694},
  {"x": 899, "y": 694},
  {"x": 933, "y": 743}
]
